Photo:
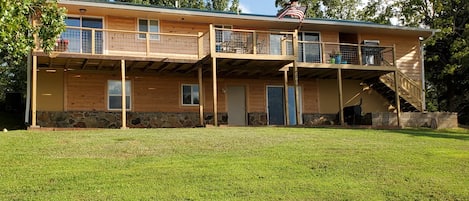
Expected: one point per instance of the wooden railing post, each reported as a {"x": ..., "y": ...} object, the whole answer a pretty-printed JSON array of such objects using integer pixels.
[
  {"x": 148, "y": 43},
  {"x": 254, "y": 42},
  {"x": 323, "y": 47},
  {"x": 200, "y": 45},
  {"x": 93, "y": 42},
  {"x": 212, "y": 40},
  {"x": 283, "y": 45},
  {"x": 360, "y": 54},
  {"x": 394, "y": 55}
]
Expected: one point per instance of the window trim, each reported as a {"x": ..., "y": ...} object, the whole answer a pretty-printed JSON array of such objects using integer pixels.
[
  {"x": 192, "y": 92},
  {"x": 303, "y": 53},
  {"x": 109, "y": 95},
  {"x": 148, "y": 31}
]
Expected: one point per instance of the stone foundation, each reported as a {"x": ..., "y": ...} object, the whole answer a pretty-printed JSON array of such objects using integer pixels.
[
  {"x": 315, "y": 119},
  {"x": 257, "y": 119},
  {"x": 435, "y": 120},
  {"x": 93, "y": 119}
]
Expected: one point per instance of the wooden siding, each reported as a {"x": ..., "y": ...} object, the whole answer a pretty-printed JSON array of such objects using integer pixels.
[
  {"x": 408, "y": 57},
  {"x": 87, "y": 91},
  {"x": 352, "y": 92}
]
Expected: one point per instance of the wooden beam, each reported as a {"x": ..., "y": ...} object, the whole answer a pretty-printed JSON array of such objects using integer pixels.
[
  {"x": 149, "y": 66},
  {"x": 201, "y": 96},
  {"x": 163, "y": 67},
  {"x": 67, "y": 63},
  {"x": 341, "y": 101},
  {"x": 34, "y": 94},
  {"x": 215, "y": 93},
  {"x": 85, "y": 62},
  {"x": 398, "y": 100},
  {"x": 124, "y": 100},
  {"x": 100, "y": 65},
  {"x": 285, "y": 87}
]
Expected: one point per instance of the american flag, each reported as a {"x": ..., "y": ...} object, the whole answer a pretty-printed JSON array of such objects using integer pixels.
[{"x": 293, "y": 11}]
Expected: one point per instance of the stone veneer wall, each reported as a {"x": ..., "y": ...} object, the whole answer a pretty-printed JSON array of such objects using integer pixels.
[
  {"x": 94, "y": 119},
  {"x": 315, "y": 119},
  {"x": 257, "y": 119},
  {"x": 435, "y": 120}
]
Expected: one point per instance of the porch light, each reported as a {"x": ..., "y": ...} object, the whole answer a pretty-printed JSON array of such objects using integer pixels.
[
  {"x": 82, "y": 10},
  {"x": 51, "y": 71}
]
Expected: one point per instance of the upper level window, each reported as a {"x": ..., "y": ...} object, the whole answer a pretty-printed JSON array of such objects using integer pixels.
[
  {"x": 114, "y": 93},
  {"x": 149, "y": 26},
  {"x": 190, "y": 94},
  {"x": 223, "y": 35},
  {"x": 309, "y": 49},
  {"x": 79, "y": 34}
]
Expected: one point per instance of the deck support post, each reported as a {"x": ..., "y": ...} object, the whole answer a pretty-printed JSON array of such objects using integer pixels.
[
  {"x": 215, "y": 94},
  {"x": 124, "y": 104},
  {"x": 285, "y": 86},
  {"x": 341, "y": 101},
  {"x": 201, "y": 96},
  {"x": 297, "y": 94},
  {"x": 34, "y": 94},
  {"x": 398, "y": 101},
  {"x": 295, "y": 78}
]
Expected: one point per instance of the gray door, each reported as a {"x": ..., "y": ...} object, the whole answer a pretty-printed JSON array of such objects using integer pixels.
[
  {"x": 236, "y": 105},
  {"x": 275, "y": 106}
]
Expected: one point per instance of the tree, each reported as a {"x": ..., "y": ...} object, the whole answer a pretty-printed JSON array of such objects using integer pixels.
[
  {"x": 332, "y": 9},
  {"x": 17, "y": 36},
  {"x": 222, "y": 5}
]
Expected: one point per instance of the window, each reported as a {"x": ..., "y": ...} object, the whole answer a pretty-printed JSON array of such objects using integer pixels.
[
  {"x": 222, "y": 36},
  {"x": 149, "y": 26},
  {"x": 308, "y": 49},
  {"x": 114, "y": 93},
  {"x": 80, "y": 40},
  {"x": 190, "y": 94}
]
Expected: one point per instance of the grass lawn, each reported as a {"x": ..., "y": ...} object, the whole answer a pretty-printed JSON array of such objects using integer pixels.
[{"x": 235, "y": 164}]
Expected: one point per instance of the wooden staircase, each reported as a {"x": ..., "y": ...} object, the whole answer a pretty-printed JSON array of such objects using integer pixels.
[{"x": 410, "y": 91}]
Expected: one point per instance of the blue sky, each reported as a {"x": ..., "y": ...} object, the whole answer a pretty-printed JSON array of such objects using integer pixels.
[{"x": 262, "y": 7}]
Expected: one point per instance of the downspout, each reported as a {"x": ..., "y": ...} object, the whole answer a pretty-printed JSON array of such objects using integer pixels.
[
  {"x": 422, "y": 57},
  {"x": 28, "y": 92},
  {"x": 28, "y": 84}
]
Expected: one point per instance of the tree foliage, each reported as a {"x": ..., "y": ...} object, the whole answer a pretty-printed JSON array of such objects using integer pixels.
[
  {"x": 17, "y": 36},
  {"x": 221, "y": 5}
]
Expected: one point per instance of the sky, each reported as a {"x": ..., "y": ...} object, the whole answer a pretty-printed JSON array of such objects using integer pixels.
[{"x": 260, "y": 7}]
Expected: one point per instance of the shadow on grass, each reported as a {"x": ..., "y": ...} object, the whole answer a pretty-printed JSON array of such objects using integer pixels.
[{"x": 462, "y": 134}]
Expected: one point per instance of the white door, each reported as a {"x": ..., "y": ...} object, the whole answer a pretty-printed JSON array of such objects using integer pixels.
[{"x": 236, "y": 105}]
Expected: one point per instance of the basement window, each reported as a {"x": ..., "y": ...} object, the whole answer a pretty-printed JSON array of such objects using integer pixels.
[
  {"x": 114, "y": 94},
  {"x": 190, "y": 94}
]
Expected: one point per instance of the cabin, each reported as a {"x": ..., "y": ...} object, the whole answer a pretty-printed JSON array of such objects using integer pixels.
[{"x": 121, "y": 65}]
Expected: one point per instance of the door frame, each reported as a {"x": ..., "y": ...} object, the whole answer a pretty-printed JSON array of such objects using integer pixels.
[
  {"x": 300, "y": 96},
  {"x": 245, "y": 101}
]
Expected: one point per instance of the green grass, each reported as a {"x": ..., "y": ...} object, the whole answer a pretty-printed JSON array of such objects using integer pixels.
[{"x": 235, "y": 164}]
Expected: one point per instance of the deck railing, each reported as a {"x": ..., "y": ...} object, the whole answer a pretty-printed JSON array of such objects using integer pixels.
[
  {"x": 345, "y": 53},
  {"x": 237, "y": 41},
  {"x": 128, "y": 43},
  {"x": 227, "y": 41}
]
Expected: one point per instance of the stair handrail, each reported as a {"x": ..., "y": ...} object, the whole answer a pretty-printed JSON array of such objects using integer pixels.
[{"x": 408, "y": 88}]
